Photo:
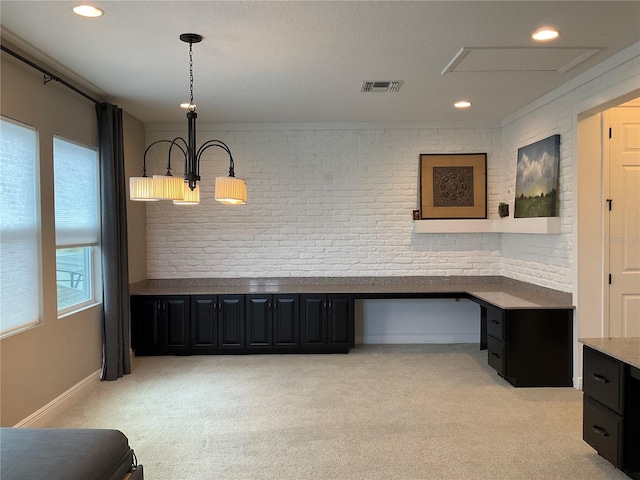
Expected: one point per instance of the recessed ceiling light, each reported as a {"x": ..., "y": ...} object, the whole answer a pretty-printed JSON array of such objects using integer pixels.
[
  {"x": 86, "y": 10},
  {"x": 462, "y": 104},
  {"x": 545, "y": 34}
]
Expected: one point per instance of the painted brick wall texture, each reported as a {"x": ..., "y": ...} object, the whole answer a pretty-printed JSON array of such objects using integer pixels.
[
  {"x": 338, "y": 202},
  {"x": 321, "y": 203},
  {"x": 549, "y": 260}
]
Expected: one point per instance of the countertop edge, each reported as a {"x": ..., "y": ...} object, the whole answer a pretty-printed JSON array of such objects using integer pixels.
[
  {"x": 625, "y": 349},
  {"x": 500, "y": 291}
]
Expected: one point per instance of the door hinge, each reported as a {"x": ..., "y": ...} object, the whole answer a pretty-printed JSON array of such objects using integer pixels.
[
  {"x": 609, "y": 202},
  {"x": 609, "y": 279},
  {"x": 609, "y": 132}
]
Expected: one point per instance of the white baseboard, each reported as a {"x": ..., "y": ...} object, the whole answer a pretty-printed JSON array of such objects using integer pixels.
[
  {"x": 41, "y": 417},
  {"x": 417, "y": 338}
]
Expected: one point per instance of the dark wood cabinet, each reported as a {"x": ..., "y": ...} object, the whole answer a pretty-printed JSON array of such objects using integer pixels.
[
  {"x": 611, "y": 410},
  {"x": 341, "y": 322},
  {"x": 230, "y": 318},
  {"x": 176, "y": 324},
  {"x": 286, "y": 323},
  {"x": 259, "y": 322},
  {"x": 217, "y": 323},
  {"x": 145, "y": 324},
  {"x": 530, "y": 347},
  {"x": 160, "y": 325},
  {"x": 326, "y": 323},
  {"x": 204, "y": 331},
  {"x": 313, "y": 322},
  {"x": 272, "y": 323}
]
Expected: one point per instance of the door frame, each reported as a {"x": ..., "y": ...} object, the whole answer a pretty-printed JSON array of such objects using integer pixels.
[{"x": 590, "y": 256}]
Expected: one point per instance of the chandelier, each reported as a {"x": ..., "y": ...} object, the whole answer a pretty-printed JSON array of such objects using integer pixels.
[{"x": 186, "y": 191}]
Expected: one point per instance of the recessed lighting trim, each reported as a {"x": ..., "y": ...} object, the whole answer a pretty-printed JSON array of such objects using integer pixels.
[
  {"x": 86, "y": 10},
  {"x": 462, "y": 104},
  {"x": 545, "y": 34}
]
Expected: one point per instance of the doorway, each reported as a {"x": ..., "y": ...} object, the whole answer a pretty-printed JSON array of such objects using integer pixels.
[
  {"x": 593, "y": 227},
  {"x": 621, "y": 233}
]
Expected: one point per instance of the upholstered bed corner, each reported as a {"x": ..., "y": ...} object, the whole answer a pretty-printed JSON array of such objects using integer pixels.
[{"x": 60, "y": 453}]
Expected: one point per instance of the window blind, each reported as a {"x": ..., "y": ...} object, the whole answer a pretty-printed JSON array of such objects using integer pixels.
[
  {"x": 20, "y": 285},
  {"x": 76, "y": 194}
]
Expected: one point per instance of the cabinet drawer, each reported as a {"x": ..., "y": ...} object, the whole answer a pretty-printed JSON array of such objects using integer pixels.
[
  {"x": 496, "y": 355},
  {"x": 495, "y": 323},
  {"x": 602, "y": 429},
  {"x": 603, "y": 378}
]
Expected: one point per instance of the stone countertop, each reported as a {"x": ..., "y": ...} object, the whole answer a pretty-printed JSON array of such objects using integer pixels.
[
  {"x": 499, "y": 291},
  {"x": 626, "y": 350}
]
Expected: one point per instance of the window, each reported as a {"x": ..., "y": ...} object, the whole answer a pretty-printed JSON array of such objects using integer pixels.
[
  {"x": 20, "y": 285},
  {"x": 75, "y": 170}
]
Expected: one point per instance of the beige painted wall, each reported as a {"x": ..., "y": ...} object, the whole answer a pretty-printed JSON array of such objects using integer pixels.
[
  {"x": 136, "y": 211},
  {"x": 590, "y": 194},
  {"x": 43, "y": 362}
]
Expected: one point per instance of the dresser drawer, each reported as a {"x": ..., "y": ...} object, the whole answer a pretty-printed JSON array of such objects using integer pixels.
[
  {"x": 603, "y": 378},
  {"x": 602, "y": 429},
  {"x": 495, "y": 323},
  {"x": 496, "y": 355}
]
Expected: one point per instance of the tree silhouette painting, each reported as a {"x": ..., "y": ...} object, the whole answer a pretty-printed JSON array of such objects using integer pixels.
[{"x": 537, "y": 179}]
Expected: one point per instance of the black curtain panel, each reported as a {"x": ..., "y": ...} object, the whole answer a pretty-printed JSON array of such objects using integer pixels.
[{"x": 115, "y": 268}]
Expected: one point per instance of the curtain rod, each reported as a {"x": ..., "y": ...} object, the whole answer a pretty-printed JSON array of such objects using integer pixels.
[{"x": 48, "y": 75}]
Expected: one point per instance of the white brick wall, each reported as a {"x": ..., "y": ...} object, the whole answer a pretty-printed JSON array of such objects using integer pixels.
[
  {"x": 549, "y": 260},
  {"x": 338, "y": 201},
  {"x": 321, "y": 203}
]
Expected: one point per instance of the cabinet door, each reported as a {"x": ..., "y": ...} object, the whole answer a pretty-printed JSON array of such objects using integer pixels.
[
  {"x": 313, "y": 323},
  {"x": 340, "y": 322},
  {"x": 285, "y": 323},
  {"x": 231, "y": 322},
  {"x": 145, "y": 324},
  {"x": 176, "y": 324},
  {"x": 204, "y": 334},
  {"x": 258, "y": 322}
]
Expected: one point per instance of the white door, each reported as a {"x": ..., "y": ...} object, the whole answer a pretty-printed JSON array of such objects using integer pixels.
[{"x": 623, "y": 236}]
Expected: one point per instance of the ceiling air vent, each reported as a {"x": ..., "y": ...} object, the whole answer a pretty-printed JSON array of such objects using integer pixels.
[{"x": 381, "y": 86}]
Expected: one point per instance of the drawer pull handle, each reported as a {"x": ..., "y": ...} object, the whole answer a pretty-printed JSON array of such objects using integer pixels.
[
  {"x": 600, "y": 431},
  {"x": 495, "y": 321},
  {"x": 495, "y": 355},
  {"x": 599, "y": 378}
]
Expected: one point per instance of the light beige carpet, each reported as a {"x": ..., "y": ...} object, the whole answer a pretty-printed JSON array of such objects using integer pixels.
[{"x": 380, "y": 412}]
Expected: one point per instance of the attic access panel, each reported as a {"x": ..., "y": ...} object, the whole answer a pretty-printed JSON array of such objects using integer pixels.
[{"x": 518, "y": 59}]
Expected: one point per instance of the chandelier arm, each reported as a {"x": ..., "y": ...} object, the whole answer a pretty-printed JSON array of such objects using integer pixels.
[
  {"x": 212, "y": 143},
  {"x": 144, "y": 160},
  {"x": 175, "y": 142}
]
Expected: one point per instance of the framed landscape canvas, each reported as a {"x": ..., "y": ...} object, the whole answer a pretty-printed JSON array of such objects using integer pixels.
[
  {"x": 537, "y": 179},
  {"x": 453, "y": 185}
]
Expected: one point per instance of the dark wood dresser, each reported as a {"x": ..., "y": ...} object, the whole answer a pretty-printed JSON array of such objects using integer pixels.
[{"x": 611, "y": 405}]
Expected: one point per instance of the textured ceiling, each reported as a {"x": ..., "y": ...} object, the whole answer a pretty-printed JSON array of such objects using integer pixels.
[{"x": 305, "y": 61}]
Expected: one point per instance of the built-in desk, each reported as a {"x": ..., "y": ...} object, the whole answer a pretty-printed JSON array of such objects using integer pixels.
[{"x": 526, "y": 328}]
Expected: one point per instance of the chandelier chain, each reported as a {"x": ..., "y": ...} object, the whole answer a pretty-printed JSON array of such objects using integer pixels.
[{"x": 191, "y": 73}]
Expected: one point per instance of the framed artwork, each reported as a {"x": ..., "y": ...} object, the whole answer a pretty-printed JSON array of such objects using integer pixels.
[
  {"x": 537, "y": 179},
  {"x": 453, "y": 185}
]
